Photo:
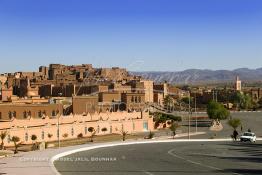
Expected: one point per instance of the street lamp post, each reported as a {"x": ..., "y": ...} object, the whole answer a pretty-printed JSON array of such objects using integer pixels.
[
  {"x": 58, "y": 130},
  {"x": 195, "y": 112},
  {"x": 189, "y": 114}
]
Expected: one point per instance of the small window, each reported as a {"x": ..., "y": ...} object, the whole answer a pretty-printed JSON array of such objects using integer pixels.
[
  {"x": 40, "y": 114},
  {"x": 0, "y": 115},
  {"x": 10, "y": 115},
  {"x": 86, "y": 130},
  {"x": 26, "y": 137},
  {"x": 43, "y": 135},
  {"x": 14, "y": 114},
  {"x": 98, "y": 129},
  {"x": 8, "y": 138},
  {"x": 72, "y": 132},
  {"x": 53, "y": 113},
  {"x": 29, "y": 113},
  {"x": 25, "y": 114},
  {"x": 135, "y": 99}
]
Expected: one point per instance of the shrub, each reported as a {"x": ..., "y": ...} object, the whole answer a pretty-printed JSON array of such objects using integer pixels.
[
  {"x": 104, "y": 130},
  {"x": 33, "y": 137},
  {"x": 80, "y": 135},
  {"x": 151, "y": 135},
  {"x": 65, "y": 135}
]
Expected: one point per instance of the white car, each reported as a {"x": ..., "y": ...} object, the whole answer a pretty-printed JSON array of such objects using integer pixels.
[{"x": 248, "y": 136}]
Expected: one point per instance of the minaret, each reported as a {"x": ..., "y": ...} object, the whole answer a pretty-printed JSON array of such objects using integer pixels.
[{"x": 238, "y": 85}]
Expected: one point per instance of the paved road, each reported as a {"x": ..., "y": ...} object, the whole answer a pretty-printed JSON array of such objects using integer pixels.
[
  {"x": 250, "y": 120},
  {"x": 209, "y": 158}
]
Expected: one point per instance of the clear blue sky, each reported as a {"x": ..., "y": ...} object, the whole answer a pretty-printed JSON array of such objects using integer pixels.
[{"x": 167, "y": 35}]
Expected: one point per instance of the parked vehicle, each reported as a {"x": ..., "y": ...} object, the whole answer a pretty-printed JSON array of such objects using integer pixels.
[{"x": 248, "y": 137}]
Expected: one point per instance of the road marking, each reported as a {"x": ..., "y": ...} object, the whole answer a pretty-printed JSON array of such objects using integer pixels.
[
  {"x": 148, "y": 173},
  {"x": 171, "y": 152}
]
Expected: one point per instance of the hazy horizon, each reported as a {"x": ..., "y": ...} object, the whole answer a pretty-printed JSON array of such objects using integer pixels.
[{"x": 35, "y": 69}]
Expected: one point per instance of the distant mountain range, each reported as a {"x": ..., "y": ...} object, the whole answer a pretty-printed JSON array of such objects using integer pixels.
[{"x": 198, "y": 76}]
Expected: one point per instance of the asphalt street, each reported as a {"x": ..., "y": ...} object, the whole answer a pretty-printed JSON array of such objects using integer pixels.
[
  {"x": 202, "y": 158},
  {"x": 249, "y": 120}
]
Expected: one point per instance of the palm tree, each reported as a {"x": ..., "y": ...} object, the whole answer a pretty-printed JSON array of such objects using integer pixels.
[
  {"x": 93, "y": 132},
  {"x": 168, "y": 102},
  {"x": 34, "y": 138},
  {"x": 3, "y": 136},
  {"x": 15, "y": 139},
  {"x": 174, "y": 128},
  {"x": 124, "y": 134}
]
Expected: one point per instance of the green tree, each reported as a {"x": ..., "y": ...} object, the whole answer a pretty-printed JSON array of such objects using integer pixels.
[
  {"x": 244, "y": 101},
  {"x": 15, "y": 140},
  {"x": 186, "y": 100},
  {"x": 217, "y": 111},
  {"x": 260, "y": 102},
  {"x": 168, "y": 102},
  {"x": 234, "y": 123},
  {"x": 174, "y": 128},
  {"x": 3, "y": 135}
]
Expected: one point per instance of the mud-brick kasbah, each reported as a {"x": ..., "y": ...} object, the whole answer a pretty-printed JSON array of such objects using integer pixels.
[{"x": 60, "y": 100}]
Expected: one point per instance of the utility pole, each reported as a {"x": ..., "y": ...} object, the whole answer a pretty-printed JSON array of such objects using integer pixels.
[
  {"x": 195, "y": 112},
  {"x": 58, "y": 130},
  {"x": 189, "y": 114},
  {"x": 216, "y": 96}
]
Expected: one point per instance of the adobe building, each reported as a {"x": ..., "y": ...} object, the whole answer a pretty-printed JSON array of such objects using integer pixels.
[
  {"x": 133, "y": 101},
  {"x": 176, "y": 92},
  {"x": 114, "y": 73},
  {"x": 100, "y": 98},
  {"x": 6, "y": 93},
  {"x": 121, "y": 88},
  {"x": 159, "y": 98},
  {"x": 256, "y": 94},
  {"x": 143, "y": 86},
  {"x": 44, "y": 71},
  {"x": 3, "y": 79},
  {"x": 161, "y": 88},
  {"x": 85, "y": 104},
  {"x": 109, "y": 97}
]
